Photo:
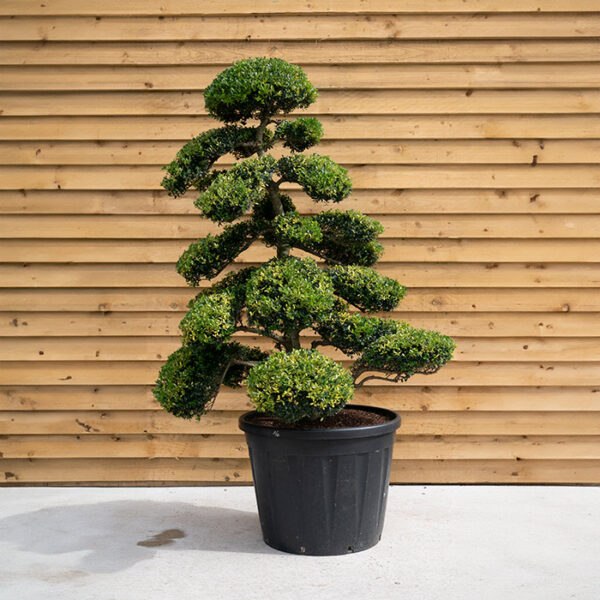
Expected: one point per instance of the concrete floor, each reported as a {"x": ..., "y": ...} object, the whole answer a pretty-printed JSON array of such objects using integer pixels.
[{"x": 446, "y": 542}]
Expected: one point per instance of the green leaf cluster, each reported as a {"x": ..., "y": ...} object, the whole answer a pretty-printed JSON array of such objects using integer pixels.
[
  {"x": 365, "y": 288},
  {"x": 300, "y": 134},
  {"x": 349, "y": 237},
  {"x": 207, "y": 257},
  {"x": 407, "y": 352},
  {"x": 352, "y": 333},
  {"x": 211, "y": 318},
  {"x": 235, "y": 191},
  {"x": 320, "y": 177},
  {"x": 301, "y": 384},
  {"x": 288, "y": 295},
  {"x": 190, "y": 379},
  {"x": 194, "y": 161},
  {"x": 290, "y": 228},
  {"x": 254, "y": 88}
]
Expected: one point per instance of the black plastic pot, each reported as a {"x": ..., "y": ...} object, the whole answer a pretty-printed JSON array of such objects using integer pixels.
[{"x": 321, "y": 491}]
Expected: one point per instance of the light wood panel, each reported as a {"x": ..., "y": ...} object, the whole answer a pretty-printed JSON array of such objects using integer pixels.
[
  {"x": 365, "y": 177},
  {"x": 152, "y": 348},
  {"x": 327, "y": 78},
  {"x": 251, "y": 7},
  {"x": 455, "y": 373},
  {"x": 434, "y": 300},
  {"x": 310, "y": 28},
  {"x": 406, "y": 249},
  {"x": 187, "y": 228},
  {"x": 104, "y": 322},
  {"x": 227, "y": 471},
  {"x": 523, "y": 152},
  {"x": 374, "y": 202},
  {"x": 470, "y": 130},
  {"x": 318, "y": 52},
  {"x": 226, "y": 423},
  {"x": 379, "y": 102},
  {"x": 525, "y": 275},
  {"x": 408, "y": 447},
  {"x": 351, "y": 127},
  {"x": 412, "y": 398}
]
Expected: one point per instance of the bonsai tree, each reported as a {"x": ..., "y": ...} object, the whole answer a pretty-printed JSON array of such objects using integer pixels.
[{"x": 292, "y": 291}]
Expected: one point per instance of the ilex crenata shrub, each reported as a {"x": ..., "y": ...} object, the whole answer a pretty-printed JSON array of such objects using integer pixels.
[{"x": 322, "y": 264}]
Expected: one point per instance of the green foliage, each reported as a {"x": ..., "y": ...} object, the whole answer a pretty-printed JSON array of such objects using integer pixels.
[
  {"x": 302, "y": 384},
  {"x": 349, "y": 237},
  {"x": 256, "y": 88},
  {"x": 236, "y": 282},
  {"x": 211, "y": 318},
  {"x": 300, "y": 134},
  {"x": 346, "y": 237},
  {"x": 193, "y": 162},
  {"x": 264, "y": 214},
  {"x": 290, "y": 228},
  {"x": 365, "y": 288},
  {"x": 190, "y": 379},
  {"x": 406, "y": 352},
  {"x": 232, "y": 193},
  {"x": 288, "y": 294},
  {"x": 322, "y": 178},
  {"x": 353, "y": 333},
  {"x": 207, "y": 257}
]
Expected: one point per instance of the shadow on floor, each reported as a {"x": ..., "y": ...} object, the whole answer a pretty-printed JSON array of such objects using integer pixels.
[{"x": 121, "y": 533}]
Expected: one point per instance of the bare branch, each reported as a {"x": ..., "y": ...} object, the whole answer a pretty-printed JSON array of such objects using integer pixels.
[
  {"x": 317, "y": 254},
  {"x": 278, "y": 338},
  {"x": 316, "y": 343},
  {"x": 396, "y": 376},
  {"x": 247, "y": 363}
]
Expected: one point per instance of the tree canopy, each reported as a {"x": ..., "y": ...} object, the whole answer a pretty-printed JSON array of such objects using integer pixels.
[{"x": 323, "y": 263}]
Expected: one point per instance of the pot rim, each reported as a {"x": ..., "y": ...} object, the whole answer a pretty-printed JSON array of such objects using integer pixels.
[{"x": 339, "y": 433}]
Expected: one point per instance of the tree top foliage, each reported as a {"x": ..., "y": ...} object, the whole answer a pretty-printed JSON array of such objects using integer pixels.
[{"x": 323, "y": 263}]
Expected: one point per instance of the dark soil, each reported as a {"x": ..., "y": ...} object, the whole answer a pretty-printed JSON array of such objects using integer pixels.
[{"x": 348, "y": 417}]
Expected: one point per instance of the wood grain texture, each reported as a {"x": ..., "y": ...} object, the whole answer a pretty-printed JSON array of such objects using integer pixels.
[
  {"x": 318, "y": 52},
  {"x": 251, "y": 7},
  {"x": 470, "y": 130}
]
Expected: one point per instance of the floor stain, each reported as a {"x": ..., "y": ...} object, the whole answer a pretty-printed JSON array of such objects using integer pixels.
[{"x": 164, "y": 538}]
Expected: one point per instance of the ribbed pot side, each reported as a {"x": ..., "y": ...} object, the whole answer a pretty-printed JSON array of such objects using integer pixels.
[{"x": 321, "y": 491}]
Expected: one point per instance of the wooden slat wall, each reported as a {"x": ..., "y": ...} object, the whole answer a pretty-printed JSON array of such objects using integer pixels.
[{"x": 470, "y": 128}]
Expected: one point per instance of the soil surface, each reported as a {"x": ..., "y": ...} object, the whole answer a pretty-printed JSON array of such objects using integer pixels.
[{"x": 348, "y": 417}]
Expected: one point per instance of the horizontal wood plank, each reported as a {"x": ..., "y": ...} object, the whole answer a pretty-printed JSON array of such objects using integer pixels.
[
  {"x": 455, "y": 373},
  {"x": 286, "y": 27},
  {"x": 409, "y": 398},
  {"x": 377, "y": 127},
  {"x": 406, "y": 250},
  {"x": 156, "y": 80},
  {"x": 524, "y": 152},
  {"x": 354, "y": 103},
  {"x": 91, "y": 423},
  {"x": 388, "y": 51},
  {"x": 430, "y": 300},
  {"x": 201, "y": 471},
  {"x": 186, "y": 228},
  {"x": 104, "y": 322},
  {"x": 478, "y": 275},
  {"x": 408, "y": 447},
  {"x": 374, "y": 202},
  {"x": 365, "y": 177},
  {"x": 555, "y": 349},
  {"x": 253, "y": 7}
]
